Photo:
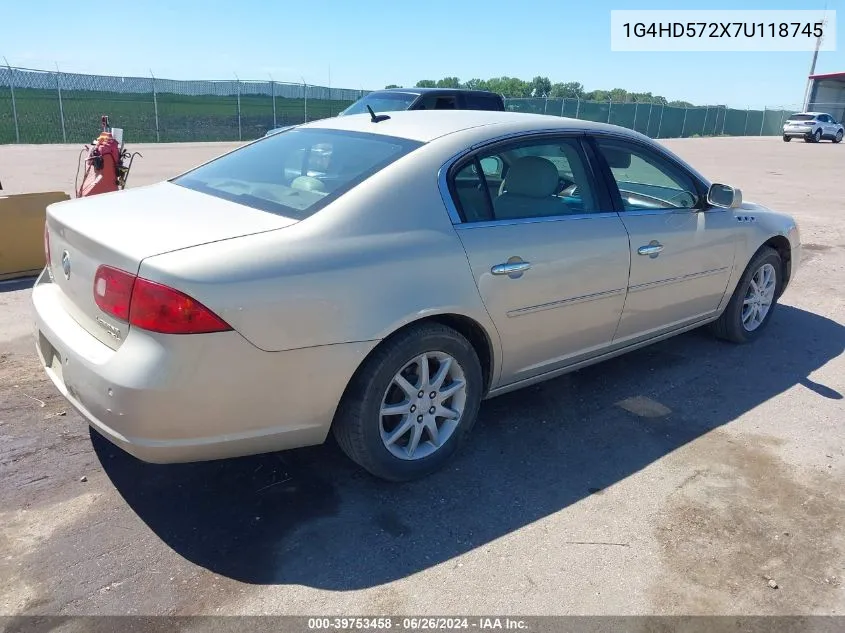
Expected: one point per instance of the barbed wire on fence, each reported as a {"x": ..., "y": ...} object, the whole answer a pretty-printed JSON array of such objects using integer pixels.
[
  {"x": 43, "y": 106},
  {"x": 659, "y": 120}
]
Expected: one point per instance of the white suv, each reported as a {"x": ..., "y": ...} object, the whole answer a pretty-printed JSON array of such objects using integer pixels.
[{"x": 812, "y": 127}]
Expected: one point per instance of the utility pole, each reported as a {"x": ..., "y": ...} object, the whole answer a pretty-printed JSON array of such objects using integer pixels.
[
  {"x": 155, "y": 105},
  {"x": 813, "y": 68},
  {"x": 238, "y": 80},
  {"x": 14, "y": 106},
  {"x": 305, "y": 95},
  {"x": 273, "y": 96},
  {"x": 61, "y": 107}
]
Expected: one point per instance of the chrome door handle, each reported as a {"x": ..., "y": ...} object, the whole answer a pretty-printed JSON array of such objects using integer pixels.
[
  {"x": 652, "y": 250},
  {"x": 510, "y": 268}
]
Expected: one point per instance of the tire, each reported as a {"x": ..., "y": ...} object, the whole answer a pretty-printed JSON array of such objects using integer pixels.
[
  {"x": 362, "y": 431},
  {"x": 729, "y": 326},
  {"x": 817, "y": 136},
  {"x": 786, "y": 138},
  {"x": 838, "y": 137}
]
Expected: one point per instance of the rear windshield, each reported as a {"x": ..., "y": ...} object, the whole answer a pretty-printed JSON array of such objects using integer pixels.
[
  {"x": 297, "y": 172},
  {"x": 381, "y": 102},
  {"x": 802, "y": 117}
]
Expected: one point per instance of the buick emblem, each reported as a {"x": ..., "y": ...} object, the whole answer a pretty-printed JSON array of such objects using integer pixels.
[{"x": 66, "y": 264}]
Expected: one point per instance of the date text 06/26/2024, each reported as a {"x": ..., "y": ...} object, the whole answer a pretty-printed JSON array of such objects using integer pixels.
[
  {"x": 712, "y": 30},
  {"x": 416, "y": 623}
]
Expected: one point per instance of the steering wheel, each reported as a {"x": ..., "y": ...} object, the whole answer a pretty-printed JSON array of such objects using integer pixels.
[
  {"x": 680, "y": 200},
  {"x": 308, "y": 183},
  {"x": 686, "y": 200},
  {"x": 569, "y": 191}
]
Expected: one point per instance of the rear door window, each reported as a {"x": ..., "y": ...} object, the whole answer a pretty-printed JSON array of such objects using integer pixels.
[
  {"x": 296, "y": 173},
  {"x": 483, "y": 102},
  {"x": 525, "y": 179}
]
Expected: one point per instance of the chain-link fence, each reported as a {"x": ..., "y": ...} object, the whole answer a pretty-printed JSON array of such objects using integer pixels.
[
  {"x": 663, "y": 121},
  {"x": 38, "y": 106}
]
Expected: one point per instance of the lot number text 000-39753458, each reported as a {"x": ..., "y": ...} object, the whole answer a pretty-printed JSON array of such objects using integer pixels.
[{"x": 745, "y": 30}]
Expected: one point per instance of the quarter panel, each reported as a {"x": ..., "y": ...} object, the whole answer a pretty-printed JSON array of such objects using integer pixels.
[{"x": 347, "y": 289}]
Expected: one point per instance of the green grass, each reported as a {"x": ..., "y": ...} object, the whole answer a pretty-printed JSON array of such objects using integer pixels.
[
  {"x": 180, "y": 118},
  {"x": 215, "y": 118}
]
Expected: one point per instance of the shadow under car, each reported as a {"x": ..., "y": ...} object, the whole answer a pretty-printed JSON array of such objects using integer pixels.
[{"x": 308, "y": 516}]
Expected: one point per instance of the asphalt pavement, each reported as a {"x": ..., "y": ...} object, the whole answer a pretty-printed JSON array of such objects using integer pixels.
[{"x": 680, "y": 479}]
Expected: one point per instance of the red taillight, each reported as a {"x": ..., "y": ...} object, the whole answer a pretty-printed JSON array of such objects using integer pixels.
[
  {"x": 113, "y": 291},
  {"x": 152, "y": 306},
  {"x": 159, "y": 308}
]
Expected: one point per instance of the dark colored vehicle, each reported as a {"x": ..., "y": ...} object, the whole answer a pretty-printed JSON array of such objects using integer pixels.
[{"x": 393, "y": 99}]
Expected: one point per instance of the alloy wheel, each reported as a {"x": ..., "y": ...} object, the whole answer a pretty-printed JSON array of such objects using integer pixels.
[
  {"x": 422, "y": 406},
  {"x": 759, "y": 297}
]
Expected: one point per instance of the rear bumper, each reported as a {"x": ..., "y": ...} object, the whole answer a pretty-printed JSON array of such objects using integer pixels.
[
  {"x": 190, "y": 398},
  {"x": 798, "y": 133}
]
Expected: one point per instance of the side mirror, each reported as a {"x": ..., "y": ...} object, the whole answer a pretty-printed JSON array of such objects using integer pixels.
[{"x": 724, "y": 196}]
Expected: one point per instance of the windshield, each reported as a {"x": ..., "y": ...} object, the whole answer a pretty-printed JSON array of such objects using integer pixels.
[
  {"x": 802, "y": 117},
  {"x": 381, "y": 102},
  {"x": 297, "y": 172}
]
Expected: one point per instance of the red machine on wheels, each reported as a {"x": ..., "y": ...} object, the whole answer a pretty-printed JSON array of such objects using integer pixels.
[{"x": 107, "y": 164}]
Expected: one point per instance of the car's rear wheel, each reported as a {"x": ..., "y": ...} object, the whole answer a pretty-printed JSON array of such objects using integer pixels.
[
  {"x": 817, "y": 136},
  {"x": 786, "y": 138},
  {"x": 754, "y": 299},
  {"x": 838, "y": 138},
  {"x": 412, "y": 403}
]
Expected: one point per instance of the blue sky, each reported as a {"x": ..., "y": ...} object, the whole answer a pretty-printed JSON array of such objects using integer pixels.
[{"x": 370, "y": 43}]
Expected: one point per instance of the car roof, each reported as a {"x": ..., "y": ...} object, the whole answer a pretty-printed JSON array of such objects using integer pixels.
[
  {"x": 427, "y": 125},
  {"x": 809, "y": 113},
  {"x": 420, "y": 91}
]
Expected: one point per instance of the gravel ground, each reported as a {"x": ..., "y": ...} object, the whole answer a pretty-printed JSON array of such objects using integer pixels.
[{"x": 685, "y": 478}]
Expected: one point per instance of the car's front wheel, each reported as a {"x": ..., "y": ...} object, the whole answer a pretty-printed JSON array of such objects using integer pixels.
[
  {"x": 786, "y": 138},
  {"x": 838, "y": 137},
  {"x": 412, "y": 403},
  {"x": 754, "y": 299}
]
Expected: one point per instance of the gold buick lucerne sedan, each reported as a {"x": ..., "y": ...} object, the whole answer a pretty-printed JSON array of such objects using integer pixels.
[{"x": 378, "y": 276}]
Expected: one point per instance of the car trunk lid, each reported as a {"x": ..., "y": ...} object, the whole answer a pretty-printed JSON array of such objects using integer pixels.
[{"x": 122, "y": 229}]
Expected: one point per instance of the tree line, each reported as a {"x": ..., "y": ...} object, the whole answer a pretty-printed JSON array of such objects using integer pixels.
[{"x": 543, "y": 87}]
